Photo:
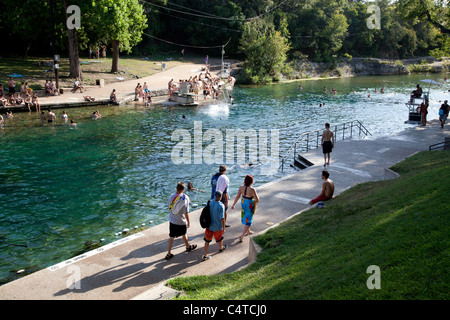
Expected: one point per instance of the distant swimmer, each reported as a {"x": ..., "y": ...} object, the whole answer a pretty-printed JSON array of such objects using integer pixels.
[
  {"x": 73, "y": 124},
  {"x": 64, "y": 117},
  {"x": 51, "y": 117},
  {"x": 246, "y": 166},
  {"x": 95, "y": 115}
]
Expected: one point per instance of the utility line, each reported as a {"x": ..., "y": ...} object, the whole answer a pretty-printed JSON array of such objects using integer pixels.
[
  {"x": 185, "y": 45},
  {"x": 213, "y": 16},
  {"x": 201, "y": 23}
]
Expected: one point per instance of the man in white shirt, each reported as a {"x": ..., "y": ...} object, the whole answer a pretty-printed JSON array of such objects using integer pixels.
[{"x": 223, "y": 185}]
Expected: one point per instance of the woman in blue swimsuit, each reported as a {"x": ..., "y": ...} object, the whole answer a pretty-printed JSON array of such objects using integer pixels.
[{"x": 248, "y": 204}]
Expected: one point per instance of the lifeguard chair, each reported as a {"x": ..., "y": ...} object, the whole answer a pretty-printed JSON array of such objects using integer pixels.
[{"x": 414, "y": 103}]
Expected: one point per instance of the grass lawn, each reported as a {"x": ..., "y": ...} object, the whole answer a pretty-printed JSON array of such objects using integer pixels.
[{"x": 401, "y": 226}]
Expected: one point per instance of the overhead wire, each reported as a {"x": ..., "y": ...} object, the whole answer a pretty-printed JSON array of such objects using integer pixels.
[
  {"x": 210, "y": 16},
  {"x": 201, "y": 23},
  {"x": 187, "y": 45}
]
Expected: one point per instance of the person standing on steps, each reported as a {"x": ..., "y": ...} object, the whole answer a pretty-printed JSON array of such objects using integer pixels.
[{"x": 327, "y": 143}]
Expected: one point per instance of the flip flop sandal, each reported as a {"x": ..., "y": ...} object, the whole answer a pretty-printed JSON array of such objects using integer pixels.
[
  {"x": 169, "y": 256},
  {"x": 191, "y": 247}
]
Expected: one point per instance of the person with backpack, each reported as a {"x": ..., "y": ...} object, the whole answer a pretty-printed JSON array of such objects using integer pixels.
[
  {"x": 221, "y": 182},
  {"x": 216, "y": 228}
]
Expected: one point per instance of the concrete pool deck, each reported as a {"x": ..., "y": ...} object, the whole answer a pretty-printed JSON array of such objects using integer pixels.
[
  {"x": 134, "y": 267},
  {"x": 157, "y": 83}
]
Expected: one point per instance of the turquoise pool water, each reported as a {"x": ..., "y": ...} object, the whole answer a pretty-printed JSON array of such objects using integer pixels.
[{"x": 63, "y": 187}]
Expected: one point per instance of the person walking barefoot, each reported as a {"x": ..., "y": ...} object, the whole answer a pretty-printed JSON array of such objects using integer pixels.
[
  {"x": 327, "y": 143},
  {"x": 248, "y": 204}
]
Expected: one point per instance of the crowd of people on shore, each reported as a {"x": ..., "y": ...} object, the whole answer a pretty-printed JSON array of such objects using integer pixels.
[
  {"x": 202, "y": 85},
  {"x": 12, "y": 99},
  {"x": 144, "y": 93}
]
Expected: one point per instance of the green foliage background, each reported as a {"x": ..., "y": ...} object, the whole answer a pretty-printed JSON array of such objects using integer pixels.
[{"x": 262, "y": 32}]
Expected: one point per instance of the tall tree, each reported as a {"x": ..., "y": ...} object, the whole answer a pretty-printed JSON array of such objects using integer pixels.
[
  {"x": 436, "y": 13},
  {"x": 72, "y": 41},
  {"x": 121, "y": 22},
  {"x": 27, "y": 21},
  {"x": 265, "y": 51}
]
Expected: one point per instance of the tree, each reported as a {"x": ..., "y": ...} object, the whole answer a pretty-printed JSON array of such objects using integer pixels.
[
  {"x": 121, "y": 22},
  {"x": 265, "y": 51},
  {"x": 28, "y": 21},
  {"x": 319, "y": 28},
  {"x": 72, "y": 41},
  {"x": 434, "y": 12}
]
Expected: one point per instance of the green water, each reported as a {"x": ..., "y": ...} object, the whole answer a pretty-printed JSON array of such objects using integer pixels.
[{"x": 61, "y": 187}]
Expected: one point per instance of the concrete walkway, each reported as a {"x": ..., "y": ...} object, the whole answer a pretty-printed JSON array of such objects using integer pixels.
[
  {"x": 134, "y": 267},
  {"x": 124, "y": 89}
]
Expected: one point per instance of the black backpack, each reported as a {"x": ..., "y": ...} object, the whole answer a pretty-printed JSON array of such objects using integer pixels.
[{"x": 205, "y": 217}]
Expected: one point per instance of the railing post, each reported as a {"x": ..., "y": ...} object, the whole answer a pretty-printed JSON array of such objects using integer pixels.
[
  {"x": 343, "y": 132},
  {"x": 317, "y": 140},
  {"x": 307, "y": 142}
]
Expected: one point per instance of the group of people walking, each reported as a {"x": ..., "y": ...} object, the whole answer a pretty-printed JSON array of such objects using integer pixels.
[
  {"x": 178, "y": 205},
  {"x": 218, "y": 205}
]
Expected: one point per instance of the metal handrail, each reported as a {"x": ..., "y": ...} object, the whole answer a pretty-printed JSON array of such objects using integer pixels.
[
  {"x": 440, "y": 145},
  {"x": 315, "y": 137}
]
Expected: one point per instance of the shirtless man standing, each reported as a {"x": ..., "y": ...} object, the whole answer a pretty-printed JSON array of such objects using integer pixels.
[
  {"x": 327, "y": 189},
  {"x": 327, "y": 143}
]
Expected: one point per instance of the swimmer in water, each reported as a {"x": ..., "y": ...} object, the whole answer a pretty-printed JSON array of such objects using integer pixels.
[
  {"x": 64, "y": 116},
  {"x": 51, "y": 117}
]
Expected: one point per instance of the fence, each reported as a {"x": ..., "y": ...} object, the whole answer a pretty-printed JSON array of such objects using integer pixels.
[{"x": 313, "y": 139}]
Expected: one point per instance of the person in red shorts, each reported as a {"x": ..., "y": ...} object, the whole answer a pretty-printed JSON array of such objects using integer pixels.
[
  {"x": 327, "y": 189},
  {"x": 217, "y": 226}
]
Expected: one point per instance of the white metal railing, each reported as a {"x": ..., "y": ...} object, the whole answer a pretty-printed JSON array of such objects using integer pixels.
[{"x": 313, "y": 139}]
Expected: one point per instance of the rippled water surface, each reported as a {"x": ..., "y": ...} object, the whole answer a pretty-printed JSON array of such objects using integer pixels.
[{"x": 62, "y": 187}]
